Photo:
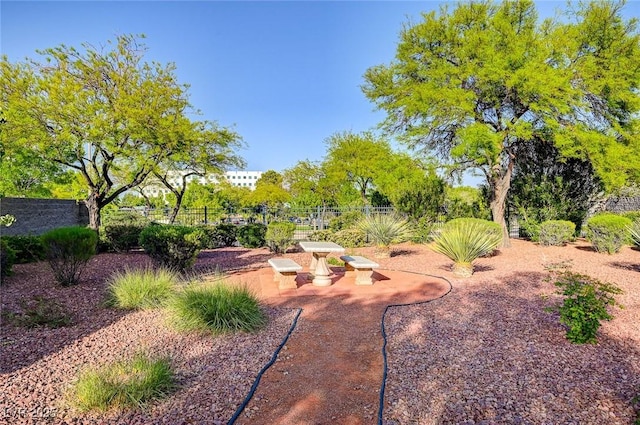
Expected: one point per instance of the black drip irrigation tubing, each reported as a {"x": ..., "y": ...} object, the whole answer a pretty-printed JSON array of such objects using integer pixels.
[
  {"x": 254, "y": 387},
  {"x": 249, "y": 396},
  {"x": 384, "y": 338}
]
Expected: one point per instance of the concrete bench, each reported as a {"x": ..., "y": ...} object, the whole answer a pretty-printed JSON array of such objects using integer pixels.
[
  {"x": 363, "y": 268},
  {"x": 285, "y": 272}
]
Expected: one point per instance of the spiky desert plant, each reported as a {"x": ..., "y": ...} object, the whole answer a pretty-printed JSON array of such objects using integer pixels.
[
  {"x": 634, "y": 230},
  {"x": 463, "y": 241},
  {"x": 384, "y": 230}
]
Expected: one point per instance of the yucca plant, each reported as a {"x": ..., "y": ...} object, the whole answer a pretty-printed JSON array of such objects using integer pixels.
[
  {"x": 634, "y": 230},
  {"x": 384, "y": 230},
  {"x": 463, "y": 241}
]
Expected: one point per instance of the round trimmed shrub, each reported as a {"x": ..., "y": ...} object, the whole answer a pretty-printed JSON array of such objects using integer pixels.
[
  {"x": 556, "y": 232},
  {"x": 28, "y": 249},
  {"x": 608, "y": 232},
  {"x": 252, "y": 235},
  {"x": 68, "y": 249},
  {"x": 219, "y": 236},
  {"x": 123, "y": 237},
  {"x": 174, "y": 247},
  {"x": 349, "y": 238}
]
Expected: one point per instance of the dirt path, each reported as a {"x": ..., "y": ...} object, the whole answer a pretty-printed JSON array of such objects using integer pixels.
[{"x": 331, "y": 369}]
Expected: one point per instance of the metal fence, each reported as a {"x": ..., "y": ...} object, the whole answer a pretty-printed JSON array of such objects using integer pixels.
[{"x": 307, "y": 220}]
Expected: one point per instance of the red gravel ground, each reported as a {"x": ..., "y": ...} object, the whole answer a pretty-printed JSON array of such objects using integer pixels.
[{"x": 486, "y": 352}]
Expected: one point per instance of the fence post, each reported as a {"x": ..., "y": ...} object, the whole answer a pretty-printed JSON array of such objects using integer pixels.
[{"x": 205, "y": 215}]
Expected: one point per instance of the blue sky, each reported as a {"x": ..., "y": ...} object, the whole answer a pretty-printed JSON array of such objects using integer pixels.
[{"x": 284, "y": 75}]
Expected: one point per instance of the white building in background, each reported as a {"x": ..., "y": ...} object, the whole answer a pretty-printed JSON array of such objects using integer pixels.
[{"x": 246, "y": 179}]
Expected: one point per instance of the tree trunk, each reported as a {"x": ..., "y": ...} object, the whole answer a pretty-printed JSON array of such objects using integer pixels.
[
  {"x": 500, "y": 187},
  {"x": 93, "y": 205}
]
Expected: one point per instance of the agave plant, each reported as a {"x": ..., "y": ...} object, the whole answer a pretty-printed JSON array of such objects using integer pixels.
[
  {"x": 463, "y": 241},
  {"x": 384, "y": 230}
]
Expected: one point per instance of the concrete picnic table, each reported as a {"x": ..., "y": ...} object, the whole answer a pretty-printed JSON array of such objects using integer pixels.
[{"x": 319, "y": 269}]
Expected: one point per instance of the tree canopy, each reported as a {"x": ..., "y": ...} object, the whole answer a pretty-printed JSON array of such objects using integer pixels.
[
  {"x": 476, "y": 84},
  {"x": 103, "y": 112}
]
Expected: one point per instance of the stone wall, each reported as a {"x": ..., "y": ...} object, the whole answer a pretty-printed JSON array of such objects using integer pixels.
[
  {"x": 37, "y": 216},
  {"x": 623, "y": 204}
]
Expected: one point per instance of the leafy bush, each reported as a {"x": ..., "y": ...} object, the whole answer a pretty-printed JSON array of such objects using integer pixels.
[
  {"x": 124, "y": 384},
  {"x": 219, "y": 236},
  {"x": 123, "y": 237},
  {"x": 608, "y": 232},
  {"x": 530, "y": 229},
  {"x": 556, "y": 232},
  {"x": 279, "y": 236},
  {"x": 632, "y": 215},
  {"x": 345, "y": 220},
  {"x": 217, "y": 308},
  {"x": 634, "y": 230},
  {"x": 464, "y": 240},
  {"x": 252, "y": 235},
  {"x": 7, "y": 259},
  {"x": 28, "y": 249},
  {"x": 142, "y": 288},
  {"x": 321, "y": 236},
  {"x": 584, "y": 306},
  {"x": 423, "y": 230},
  {"x": 40, "y": 311},
  {"x": 349, "y": 238},
  {"x": 68, "y": 249},
  {"x": 174, "y": 247}
]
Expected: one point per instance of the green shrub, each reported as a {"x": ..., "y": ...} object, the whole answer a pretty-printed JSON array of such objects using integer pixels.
[
  {"x": 279, "y": 236},
  {"x": 385, "y": 229},
  {"x": 68, "y": 249},
  {"x": 530, "y": 229},
  {"x": 423, "y": 230},
  {"x": 463, "y": 240},
  {"x": 584, "y": 306},
  {"x": 7, "y": 259},
  {"x": 174, "y": 247},
  {"x": 219, "y": 236},
  {"x": 321, "y": 236},
  {"x": 123, "y": 237},
  {"x": 252, "y": 235},
  {"x": 142, "y": 288},
  {"x": 608, "y": 232},
  {"x": 124, "y": 384},
  {"x": 632, "y": 215},
  {"x": 40, "y": 311},
  {"x": 556, "y": 232},
  {"x": 349, "y": 238},
  {"x": 634, "y": 230},
  {"x": 345, "y": 220},
  {"x": 28, "y": 249},
  {"x": 217, "y": 308}
]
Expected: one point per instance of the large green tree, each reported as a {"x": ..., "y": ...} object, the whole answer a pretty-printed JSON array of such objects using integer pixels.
[
  {"x": 475, "y": 84},
  {"x": 204, "y": 149},
  {"x": 103, "y": 112},
  {"x": 358, "y": 159}
]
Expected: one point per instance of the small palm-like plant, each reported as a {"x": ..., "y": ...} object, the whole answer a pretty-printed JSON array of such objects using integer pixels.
[
  {"x": 463, "y": 241},
  {"x": 634, "y": 230},
  {"x": 383, "y": 230}
]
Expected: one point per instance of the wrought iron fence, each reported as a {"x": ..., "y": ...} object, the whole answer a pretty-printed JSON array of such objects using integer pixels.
[{"x": 307, "y": 220}]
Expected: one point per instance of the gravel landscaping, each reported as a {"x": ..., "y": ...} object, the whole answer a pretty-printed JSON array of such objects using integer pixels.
[{"x": 487, "y": 352}]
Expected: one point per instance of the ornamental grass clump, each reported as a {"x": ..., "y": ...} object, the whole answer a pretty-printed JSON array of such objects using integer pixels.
[
  {"x": 465, "y": 240},
  {"x": 384, "y": 230},
  {"x": 123, "y": 384},
  {"x": 68, "y": 249},
  {"x": 217, "y": 308},
  {"x": 608, "y": 232},
  {"x": 141, "y": 288}
]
